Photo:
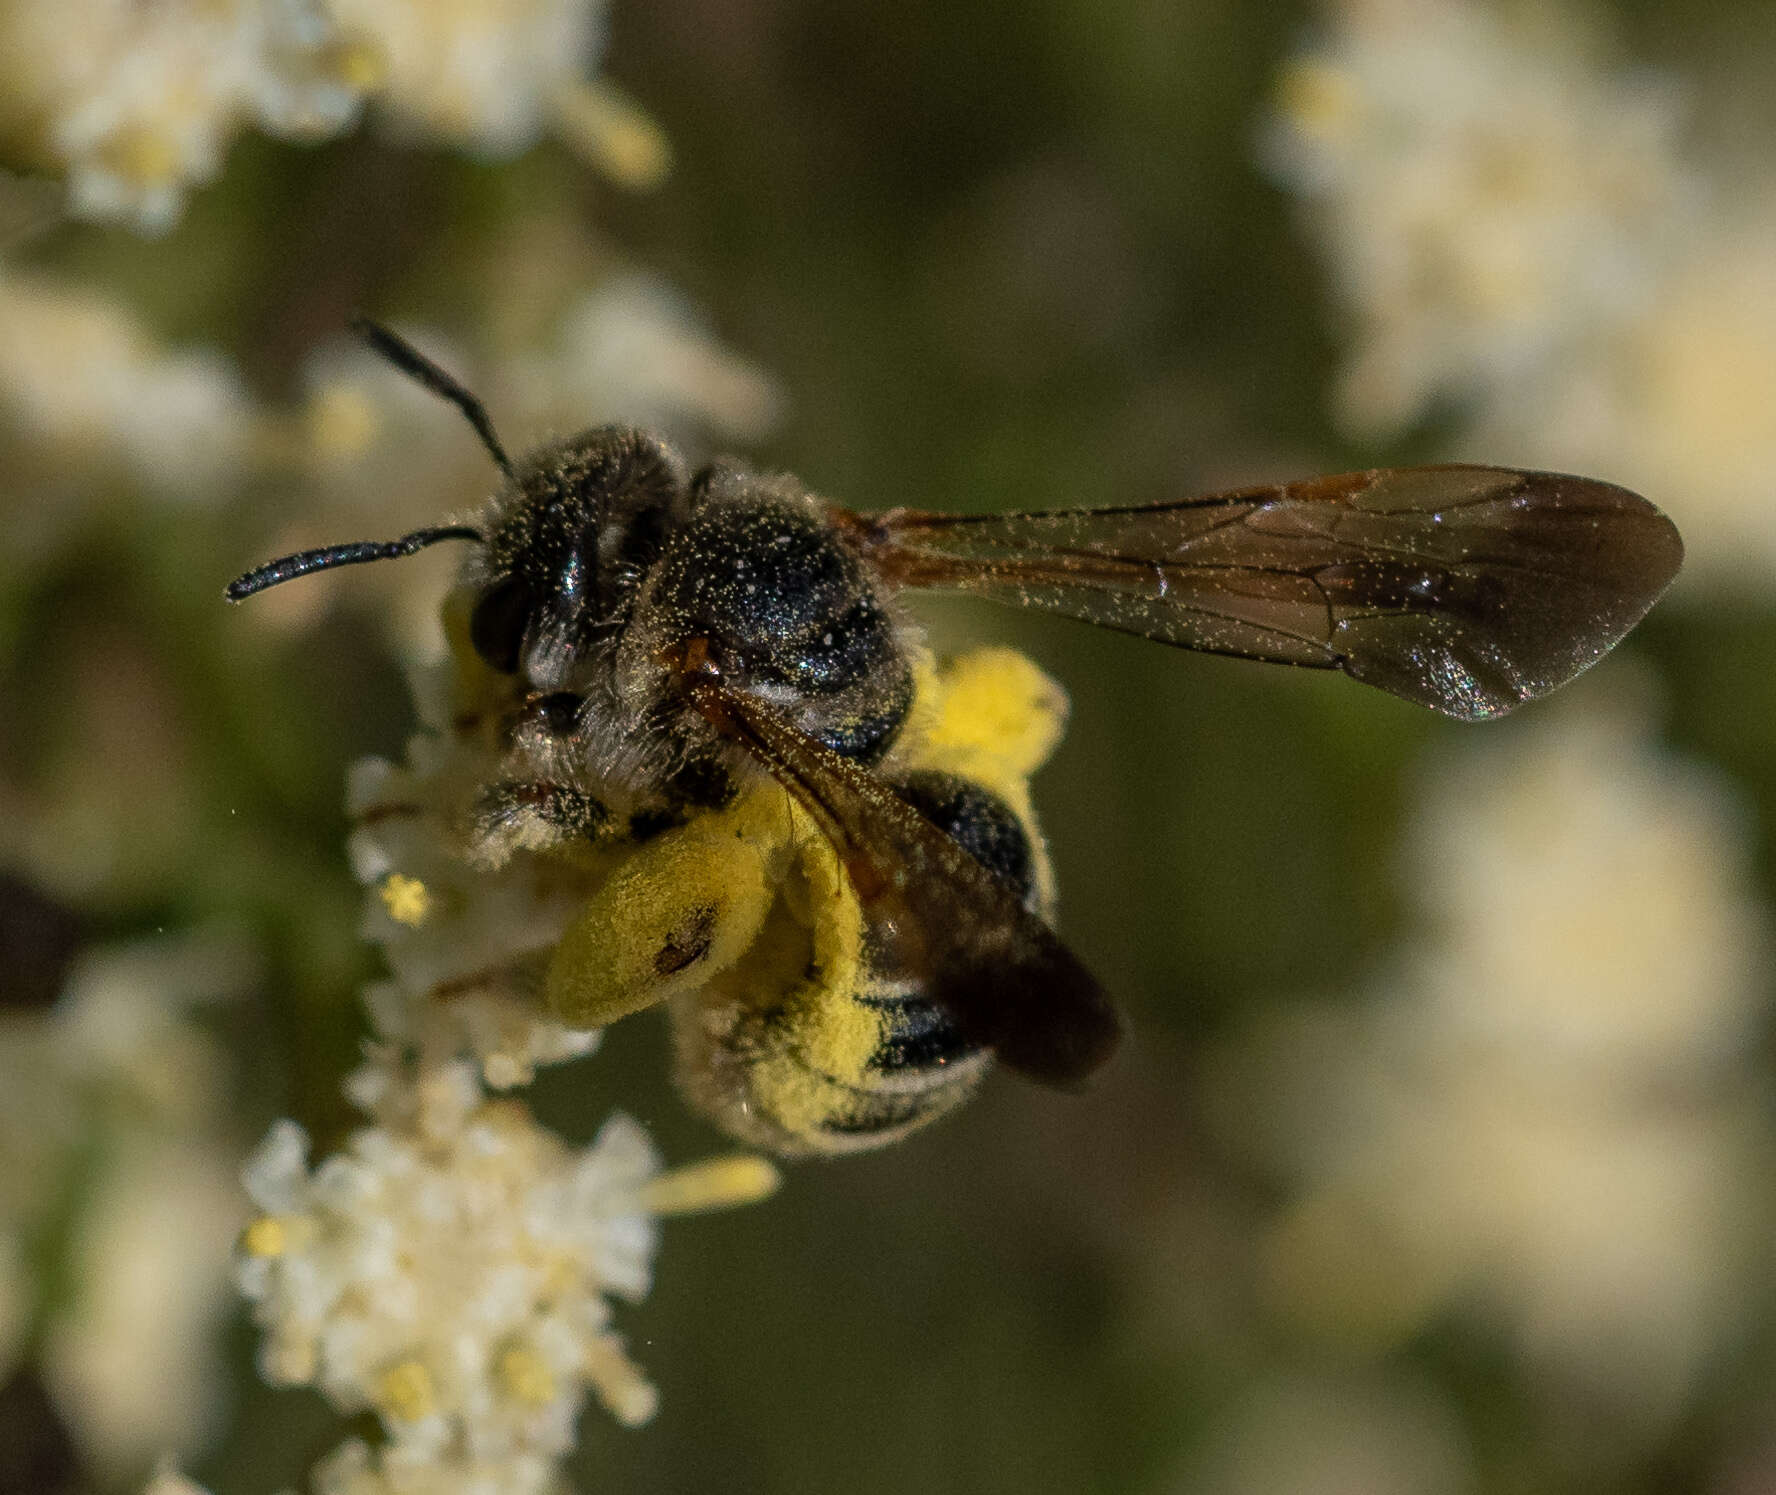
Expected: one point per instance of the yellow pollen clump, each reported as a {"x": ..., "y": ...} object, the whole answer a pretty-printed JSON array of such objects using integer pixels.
[
  {"x": 404, "y": 1391},
  {"x": 526, "y": 1376},
  {"x": 277, "y": 1235},
  {"x": 407, "y": 899},
  {"x": 266, "y": 1236}
]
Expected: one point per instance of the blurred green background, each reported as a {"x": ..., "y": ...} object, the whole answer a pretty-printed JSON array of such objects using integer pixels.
[{"x": 994, "y": 255}]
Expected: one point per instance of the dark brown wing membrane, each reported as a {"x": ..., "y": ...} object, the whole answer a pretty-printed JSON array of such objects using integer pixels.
[
  {"x": 1466, "y": 589},
  {"x": 1005, "y": 976}
]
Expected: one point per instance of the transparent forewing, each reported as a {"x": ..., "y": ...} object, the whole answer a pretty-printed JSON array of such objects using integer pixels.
[
  {"x": 1003, "y": 973},
  {"x": 1465, "y": 589}
]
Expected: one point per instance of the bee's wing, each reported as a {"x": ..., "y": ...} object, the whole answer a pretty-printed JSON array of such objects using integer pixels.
[
  {"x": 1465, "y": 589},
  {"x": 1005, "y": 976}
]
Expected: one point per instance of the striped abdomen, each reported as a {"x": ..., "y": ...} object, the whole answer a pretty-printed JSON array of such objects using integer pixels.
[{"x": 821, "y": 1072}]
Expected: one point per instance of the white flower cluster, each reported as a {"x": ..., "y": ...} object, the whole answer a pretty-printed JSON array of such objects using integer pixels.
[
  {"x": 1513, "y": 228},
  {"x": 138, "y": 103},
  {"x": 478, "y": 73},
  {"x": 1486, "y": 197},
  {"x": 464, "y": 941},
  {"x": 1552, "y": 1108},
  {"x": 451, "y": 1269}
]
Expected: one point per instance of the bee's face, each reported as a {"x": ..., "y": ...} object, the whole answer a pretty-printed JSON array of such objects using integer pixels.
[{"x": 577, "y": 529}]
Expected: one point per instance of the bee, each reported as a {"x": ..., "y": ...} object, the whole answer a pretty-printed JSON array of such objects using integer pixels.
[{"x": 665, "y": 643}]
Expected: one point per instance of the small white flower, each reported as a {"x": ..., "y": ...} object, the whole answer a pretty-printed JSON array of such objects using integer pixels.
[
  {"x": 119, "y": 1036},
  {"x": 135, "y": 1358},
  {"x": 1512, "y": 229},
  {"x": 1678, "y": 401}
]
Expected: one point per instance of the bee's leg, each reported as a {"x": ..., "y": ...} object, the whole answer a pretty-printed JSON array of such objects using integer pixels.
[
  {"x": 531, "y": 815},
  {"x": 686, "y": 905}
]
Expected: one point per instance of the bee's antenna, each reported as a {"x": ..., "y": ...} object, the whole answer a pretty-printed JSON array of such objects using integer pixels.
[
  {"x": 289, "y": 567},
  {"x": 409, "y": 360}
]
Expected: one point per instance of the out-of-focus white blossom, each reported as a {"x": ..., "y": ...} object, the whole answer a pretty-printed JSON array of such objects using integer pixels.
[
  {"x": 1590, "y": 901},
  {"x": 1487, "y": 196},
  {"x": 452, "y": 1269},
  {"x": 1512, "y": 228},
  {"x": 1680, "y": 401},
  {"x": 109, "y": 1108},
  {"x": 1550, "y": 1108},
  {"x": 137, "y": 103},
  {"x": 86, "y": 391},
  {"x": 120, "y": 1036},
  {"x": 477, "y": 73},
  {"x": 633, "y": 351},
  {"x": 135, "y": 1360}
]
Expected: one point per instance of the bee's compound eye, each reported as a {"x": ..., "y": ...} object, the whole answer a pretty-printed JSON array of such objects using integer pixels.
[
  {"x": 496, "y": 626},
  {"x": 561, "y": 712}
]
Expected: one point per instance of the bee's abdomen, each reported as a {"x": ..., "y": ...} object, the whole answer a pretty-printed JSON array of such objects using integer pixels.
[
  {"x": 825, "y": 1072},
  {"x": 983, "y": 825},
  {"x": 923, "y": 1063},
  {"x": 918, "y": 1036}
]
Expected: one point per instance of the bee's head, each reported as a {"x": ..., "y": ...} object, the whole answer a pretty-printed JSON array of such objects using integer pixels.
[
  {"x": 574, "y": 530},
  {"x": 578, "y": 527}
]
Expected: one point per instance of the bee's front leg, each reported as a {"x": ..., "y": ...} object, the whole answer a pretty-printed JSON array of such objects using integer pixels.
[{"x": 536, "y": 815}]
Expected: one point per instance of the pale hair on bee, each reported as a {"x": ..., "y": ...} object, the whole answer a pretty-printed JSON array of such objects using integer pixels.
[{"x": 657, "y": 651}]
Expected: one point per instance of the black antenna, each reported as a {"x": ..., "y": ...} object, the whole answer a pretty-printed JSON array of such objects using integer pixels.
[
  {"x": 289, "y": 567},
  {"x": 409, "y": 360}
]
